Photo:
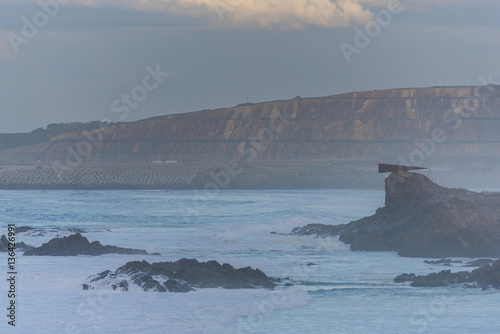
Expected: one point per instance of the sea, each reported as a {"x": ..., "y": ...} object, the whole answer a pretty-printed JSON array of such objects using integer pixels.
[{"x": 335, "y": 290}]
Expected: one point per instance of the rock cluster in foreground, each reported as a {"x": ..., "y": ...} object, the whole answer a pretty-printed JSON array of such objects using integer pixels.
[
  {"x": 4, "y": 245},
  {"x": 180, "y": 276},
  {"x": 77, "y": 244},
  {"x": 484, "y": 277},
  {"x": 423, "y": 219}
]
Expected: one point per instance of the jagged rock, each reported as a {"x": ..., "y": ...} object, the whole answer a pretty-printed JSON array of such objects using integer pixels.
[
  {"x": 180, "y": 276},
  {"x": 4, "y": 244},
  {"x": 485, "y": 276},
  {"x": 423, "y": 219},
  {"x": 76, "y": 244},
  {"x": 443, "y": 278},
  {"x": 318, "y": 230},
  {"x": 404, "y": 278}
]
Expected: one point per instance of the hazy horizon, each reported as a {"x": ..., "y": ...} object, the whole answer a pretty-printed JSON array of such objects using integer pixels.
[{"x": 78, "y": 61}]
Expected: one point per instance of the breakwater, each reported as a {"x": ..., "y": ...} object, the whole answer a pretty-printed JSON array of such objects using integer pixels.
[
  {"x": 210, "y": 179},
  {"x": 223, "y": 177}
]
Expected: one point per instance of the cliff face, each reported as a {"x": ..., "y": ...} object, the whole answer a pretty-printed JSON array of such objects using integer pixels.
[
  {"x": 456, "y": 121},
  {"x": 39, "y": 136}
]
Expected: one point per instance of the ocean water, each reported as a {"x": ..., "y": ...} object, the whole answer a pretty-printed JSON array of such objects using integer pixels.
[{"x": 340, "y": 291}]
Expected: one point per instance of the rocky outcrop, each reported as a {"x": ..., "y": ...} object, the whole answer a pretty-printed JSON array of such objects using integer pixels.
[
  {"x": 77, "y": 244},
  {"x": 180, "y": 276},
  {"x": 4, "y": 245},
  {"x": 243, "y": 176},
  {"x": 422, "y": 219},
  {"x": 486, "y": 276}
]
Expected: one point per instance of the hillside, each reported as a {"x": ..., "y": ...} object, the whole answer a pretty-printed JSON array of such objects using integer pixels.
[{"x": 416, "y": 125}]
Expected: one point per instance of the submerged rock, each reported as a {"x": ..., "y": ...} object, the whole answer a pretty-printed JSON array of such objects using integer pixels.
[
  {"x": 478, "y": 262},
  {"x": 485, "y": 276},
  {"x": 180, "y": 276},
  {"x": 444, "y": 262},
  {"x": 77, "y": 244},
  {"x": 423, "y": 219}
]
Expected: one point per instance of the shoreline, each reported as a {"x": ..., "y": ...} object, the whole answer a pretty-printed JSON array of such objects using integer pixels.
[
  {"x": 186, "y": 179},
  {"x": 211, "y": 178}
]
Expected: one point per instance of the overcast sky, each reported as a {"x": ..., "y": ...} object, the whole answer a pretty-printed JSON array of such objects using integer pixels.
[{"x": 83, "y": 60}]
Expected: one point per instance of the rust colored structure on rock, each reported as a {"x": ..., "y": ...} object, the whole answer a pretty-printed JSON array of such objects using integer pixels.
[{"x": 387, "y": 168}]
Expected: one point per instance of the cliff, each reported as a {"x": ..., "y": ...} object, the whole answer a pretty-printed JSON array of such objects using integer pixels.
[
  {"x": 434, "y": 122},
  {"x": 423, "y": 219}
]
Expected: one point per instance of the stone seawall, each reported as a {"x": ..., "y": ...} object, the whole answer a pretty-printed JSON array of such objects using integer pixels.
[
  {"x": 144, "y": 178},
  {"x": 226, "y": 176}
]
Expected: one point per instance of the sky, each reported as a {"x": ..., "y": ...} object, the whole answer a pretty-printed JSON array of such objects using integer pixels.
[{"x": 124, "y": 60}]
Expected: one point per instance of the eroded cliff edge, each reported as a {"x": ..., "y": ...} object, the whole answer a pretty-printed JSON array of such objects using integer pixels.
[
  {"x": 423, "y": 219},
  {"x": 358, "y": 125}
]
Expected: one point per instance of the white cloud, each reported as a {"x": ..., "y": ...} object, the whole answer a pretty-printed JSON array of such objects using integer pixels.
[
  {"x": 255, "y": 13},
  {"x": 281, "y": 14}
]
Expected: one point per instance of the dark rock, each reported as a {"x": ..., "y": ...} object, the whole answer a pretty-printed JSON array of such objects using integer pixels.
[
  {"x": 174, "y": 286},
  {"x": 478, "y": 263},
  {"x": 423, "y": 219},
  {"x": 182, "y": 276},
  {"x": 4, "y": 245},
  {"x": 123, "y": 286},
  {"x": 443, "y": 278},
  {"x": 23, "y": 247},
  {"x": 487, "y": 275},
  {"x": 404, "y": 278},
  {"x": 484, "y": 277},
  {"x": 76, "y": 244},
  {"x": 318, "y": 230},
  {"x": 22, "y": 229}
]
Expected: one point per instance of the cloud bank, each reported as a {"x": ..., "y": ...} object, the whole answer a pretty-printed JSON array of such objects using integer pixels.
[
  {"x": 279, "y": 14},
  {"x": 268, "y": 14}
]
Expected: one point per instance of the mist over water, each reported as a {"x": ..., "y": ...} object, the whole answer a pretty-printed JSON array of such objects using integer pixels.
[{"x": 335, "y": 290}]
